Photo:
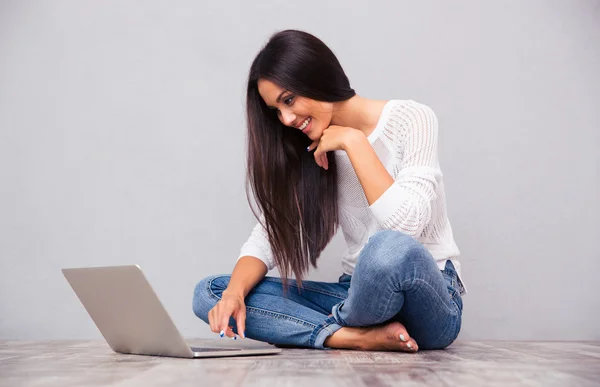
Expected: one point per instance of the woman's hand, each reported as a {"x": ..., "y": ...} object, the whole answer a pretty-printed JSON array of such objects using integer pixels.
[
  {"x": 229, "y": 305},
  {"x": 334, "y": 138}
]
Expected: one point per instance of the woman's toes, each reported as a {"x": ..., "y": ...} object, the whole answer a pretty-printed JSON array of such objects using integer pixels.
[
  {"x": 399, "y": 331},
  {"x": 407, "y": 342},
  {"x": 412, "y": 345}
]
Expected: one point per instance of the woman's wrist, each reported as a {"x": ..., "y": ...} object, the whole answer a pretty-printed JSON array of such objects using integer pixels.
[
  {"x": 352, "y": 138},
  {"x": 233, "y": 293}
]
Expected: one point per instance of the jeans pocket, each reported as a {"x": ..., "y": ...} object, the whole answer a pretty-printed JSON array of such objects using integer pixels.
[
  {"x": 453, "y": 288},
  {"x": 458, "y": 301},
  {"x": 345, "y": 278}
]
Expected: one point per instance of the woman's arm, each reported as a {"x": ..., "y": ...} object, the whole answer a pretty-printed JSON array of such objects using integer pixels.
[
  {"x": 371, "y": 173},
  {"x": 246, "y": 274},
  {"x": 403, "y": 204}
]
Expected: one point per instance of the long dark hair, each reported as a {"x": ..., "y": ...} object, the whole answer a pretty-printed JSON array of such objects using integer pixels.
[{"x": 297, "y": 198}]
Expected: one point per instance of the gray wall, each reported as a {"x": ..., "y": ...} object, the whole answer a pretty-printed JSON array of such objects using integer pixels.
[{"x": 122, "y": 141}]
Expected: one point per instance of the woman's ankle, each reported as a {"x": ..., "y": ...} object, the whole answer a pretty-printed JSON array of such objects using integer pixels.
[{"x": 346, "y": 338}]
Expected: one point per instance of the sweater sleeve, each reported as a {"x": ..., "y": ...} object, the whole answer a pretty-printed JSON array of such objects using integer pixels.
[
  {"x": 407, "y": 204},
  {"x": 258, "y": 245}
]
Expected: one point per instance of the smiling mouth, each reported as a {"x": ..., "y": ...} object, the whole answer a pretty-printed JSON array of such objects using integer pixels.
[
  {"x": 305, "y": 123},
  {"x": 306, "y": 126}
]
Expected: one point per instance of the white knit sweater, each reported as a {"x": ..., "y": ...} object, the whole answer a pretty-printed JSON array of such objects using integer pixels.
[{"x": 406, "y": 141}]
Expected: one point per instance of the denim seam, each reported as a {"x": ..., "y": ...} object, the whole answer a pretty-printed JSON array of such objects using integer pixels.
[
  {"x": 453, "y": 284},
  {"x": 280, "y": 315},
  {"x": 423, "y": 282},
  {"x": 209, "y": 288},
  {"x": 258, "y": 310},
  {"x": 335, "y": 312},
  {"x": 389, "y": 299},
  {"x": 336, "y": 295},
  {"x": 315, "y": 334},
  {"x": 458, "y": 325},
  {"x": 387, "y": 305},
  {"x": 448, "y": 326},
  {"x": 325, "y": 328},
  {"x": 456, "y": 289},
  {"x": 457, "y": 282},
  {"x": 455, "y": 312}
]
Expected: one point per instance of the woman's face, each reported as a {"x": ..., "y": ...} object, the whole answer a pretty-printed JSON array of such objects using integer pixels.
[{"x": 295, "y": 111}]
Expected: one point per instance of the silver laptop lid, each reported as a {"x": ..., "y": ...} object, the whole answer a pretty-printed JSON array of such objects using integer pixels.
[{"x": 127, "y": 311}]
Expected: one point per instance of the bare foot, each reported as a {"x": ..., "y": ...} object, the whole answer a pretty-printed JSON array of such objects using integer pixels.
[{"x": 388, "y": 338}]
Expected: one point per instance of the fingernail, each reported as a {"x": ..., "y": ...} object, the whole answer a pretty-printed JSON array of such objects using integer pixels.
[
  {"x": 409, "y": 345},
  {"x": 222, "y": 333},
  {"x": 308, "y": 148},
  {"x": 402, "y": 337}
]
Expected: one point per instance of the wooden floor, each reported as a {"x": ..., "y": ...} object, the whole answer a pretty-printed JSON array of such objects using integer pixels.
[{"x": 92, "y": 363}]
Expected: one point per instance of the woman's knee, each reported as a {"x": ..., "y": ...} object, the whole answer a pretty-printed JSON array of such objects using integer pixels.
[
  {"x": 207, "y": 293},
  {"x": 390, "y": 250}
]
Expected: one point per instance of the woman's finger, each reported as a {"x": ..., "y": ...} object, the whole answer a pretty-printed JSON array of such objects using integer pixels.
[
  {"x": 211, "y": 320},
  {"x": 313, "y": 145},
  {"x": 230, "y": 333},
  {"x": 240, "y": 320},
  {"x": 319, "y": 159},
  {"x": 224, "y": 323}
]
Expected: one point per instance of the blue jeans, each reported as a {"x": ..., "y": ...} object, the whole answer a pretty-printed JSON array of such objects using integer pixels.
[{"x": 395, "y": 279}]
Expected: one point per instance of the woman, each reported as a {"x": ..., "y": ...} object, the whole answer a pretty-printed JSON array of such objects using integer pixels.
[{"x": 320, "y": 156}]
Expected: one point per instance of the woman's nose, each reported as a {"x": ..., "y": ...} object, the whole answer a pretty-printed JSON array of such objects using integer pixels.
[{"x": 288, "y": 118}]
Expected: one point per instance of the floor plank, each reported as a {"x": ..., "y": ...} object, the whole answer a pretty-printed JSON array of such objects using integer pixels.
[{"x": 464, "y": 363}]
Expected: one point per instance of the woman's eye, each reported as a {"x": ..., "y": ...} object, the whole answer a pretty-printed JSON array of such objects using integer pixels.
[{"x": 288, "y": 100}]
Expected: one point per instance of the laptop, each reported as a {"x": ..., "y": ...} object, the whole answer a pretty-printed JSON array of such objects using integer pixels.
[{"x": 128, "y": 313}]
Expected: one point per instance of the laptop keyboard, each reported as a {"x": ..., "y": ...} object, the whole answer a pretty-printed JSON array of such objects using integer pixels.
[{"x": 197, "y": 349}]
